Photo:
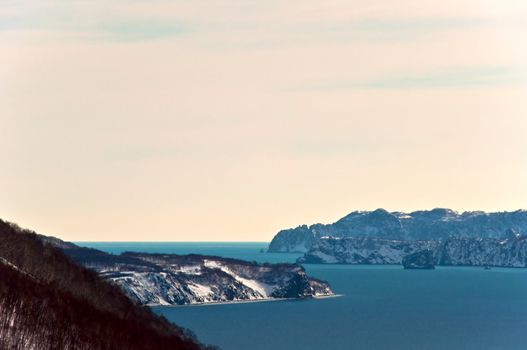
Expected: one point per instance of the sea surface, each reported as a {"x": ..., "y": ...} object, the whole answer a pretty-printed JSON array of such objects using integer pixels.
[{"x": 381, "y": 307}]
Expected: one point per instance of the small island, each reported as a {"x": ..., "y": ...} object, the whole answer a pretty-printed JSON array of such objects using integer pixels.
[{"x": 421, "y": 260}]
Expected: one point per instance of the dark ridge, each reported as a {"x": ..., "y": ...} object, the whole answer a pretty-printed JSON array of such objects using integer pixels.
[
  {"x": 196, "y": 258},
  {"x": 48, "y": 300}
]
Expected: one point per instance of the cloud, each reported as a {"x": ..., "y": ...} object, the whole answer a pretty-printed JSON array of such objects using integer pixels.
[
  {"x": 85, "y": 22},
  {"x": 409, "y": 28},
  {"x": 453, "y": 78},
  {"x": 141, "y": 30}
]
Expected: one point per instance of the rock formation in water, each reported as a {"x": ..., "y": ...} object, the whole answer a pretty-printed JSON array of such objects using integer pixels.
[{"x": 421, "y": 260}]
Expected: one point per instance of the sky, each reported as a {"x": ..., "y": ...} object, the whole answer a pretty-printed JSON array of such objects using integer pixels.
[{"x": 228, "y": 120}]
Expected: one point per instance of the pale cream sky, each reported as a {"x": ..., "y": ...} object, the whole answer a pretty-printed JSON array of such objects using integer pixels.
[{"x": 229, "y": 119}]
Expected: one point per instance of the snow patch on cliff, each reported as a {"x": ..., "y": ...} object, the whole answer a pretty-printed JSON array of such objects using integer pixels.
[{"x": 263, "y": 289}]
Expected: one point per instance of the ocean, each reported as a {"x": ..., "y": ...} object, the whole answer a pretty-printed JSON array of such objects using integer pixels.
[{"x": 379, "y": 307}]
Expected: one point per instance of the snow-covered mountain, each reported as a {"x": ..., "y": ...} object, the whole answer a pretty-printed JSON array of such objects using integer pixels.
[
  {"x": 508, "y": 251},
  {"x": 433, "y": 224},
  {"x": 168, "y": 279}
]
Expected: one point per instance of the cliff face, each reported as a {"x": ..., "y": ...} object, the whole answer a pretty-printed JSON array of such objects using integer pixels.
[
  {"x": 436, "y": 224},
  {"x": 297, "y": 240},
  {"x": 363, "y": 250},
  {"x": 168, "y": 279},
  {"x": 454, "y": 251},
  {"x": 509, "y": 252},
  {"x": 49, "y": 302}
]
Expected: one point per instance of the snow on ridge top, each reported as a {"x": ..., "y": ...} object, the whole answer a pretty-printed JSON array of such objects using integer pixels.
[
  {"x": 213, "y": 264},
  {"x": 403, "y": 216},
  {"x": 188, "y": 269}
]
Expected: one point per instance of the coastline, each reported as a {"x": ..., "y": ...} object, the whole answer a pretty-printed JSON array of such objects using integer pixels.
[{"x": 229, "y": 302}]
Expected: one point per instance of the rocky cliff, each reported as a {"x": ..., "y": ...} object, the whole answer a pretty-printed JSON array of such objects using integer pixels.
[
  {"x": 363, "y": 250},
  {"x": 436, "y": 224},
  {"x": 509, "y": 251}
]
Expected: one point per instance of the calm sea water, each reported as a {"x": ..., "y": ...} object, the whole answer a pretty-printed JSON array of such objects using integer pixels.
[{"x": 381, "y": 307}]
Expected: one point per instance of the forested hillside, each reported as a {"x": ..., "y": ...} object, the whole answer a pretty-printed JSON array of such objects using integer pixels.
[{"x": 49, "y": 302}]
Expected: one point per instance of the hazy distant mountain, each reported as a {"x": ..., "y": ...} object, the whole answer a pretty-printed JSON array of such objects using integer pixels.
[
  {"x": 47, "y": 301},
  {"x": 433, "y": 224}
]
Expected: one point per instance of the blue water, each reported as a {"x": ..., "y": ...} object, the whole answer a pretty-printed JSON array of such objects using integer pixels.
[
  {"x": 239, "y": 250},
  {"x": 382, "y": 307}
]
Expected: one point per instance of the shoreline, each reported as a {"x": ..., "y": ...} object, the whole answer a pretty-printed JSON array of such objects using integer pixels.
[{"x": 230, "y": 302}]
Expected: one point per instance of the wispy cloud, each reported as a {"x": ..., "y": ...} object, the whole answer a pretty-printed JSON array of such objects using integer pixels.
[
  {"x": 454, "y": 78},
  {"x": 141, "y": 30},
  {"x": 232, "y": 24},
  {"x": 79, "y": 22},
  {"x": 409, "y": 28}
]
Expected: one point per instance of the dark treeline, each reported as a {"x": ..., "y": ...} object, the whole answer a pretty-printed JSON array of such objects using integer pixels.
[{"x": 49, "y": 302}]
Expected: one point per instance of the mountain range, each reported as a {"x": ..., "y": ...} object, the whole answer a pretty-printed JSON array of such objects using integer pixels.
[
  {"x": 425, "y": 225},
  {"x": 438, "y": 236}
]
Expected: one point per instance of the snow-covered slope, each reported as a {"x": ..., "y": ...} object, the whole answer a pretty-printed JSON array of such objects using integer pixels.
[
  {"x": 509, "y": 251},
  {"x": 167, "y": 279},
  {"x": 433, "y": 224}
]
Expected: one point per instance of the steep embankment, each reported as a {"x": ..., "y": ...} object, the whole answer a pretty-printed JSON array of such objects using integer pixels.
[
  {"x": 49, "y": 302},
  {"x": 509, "y": 251}
]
